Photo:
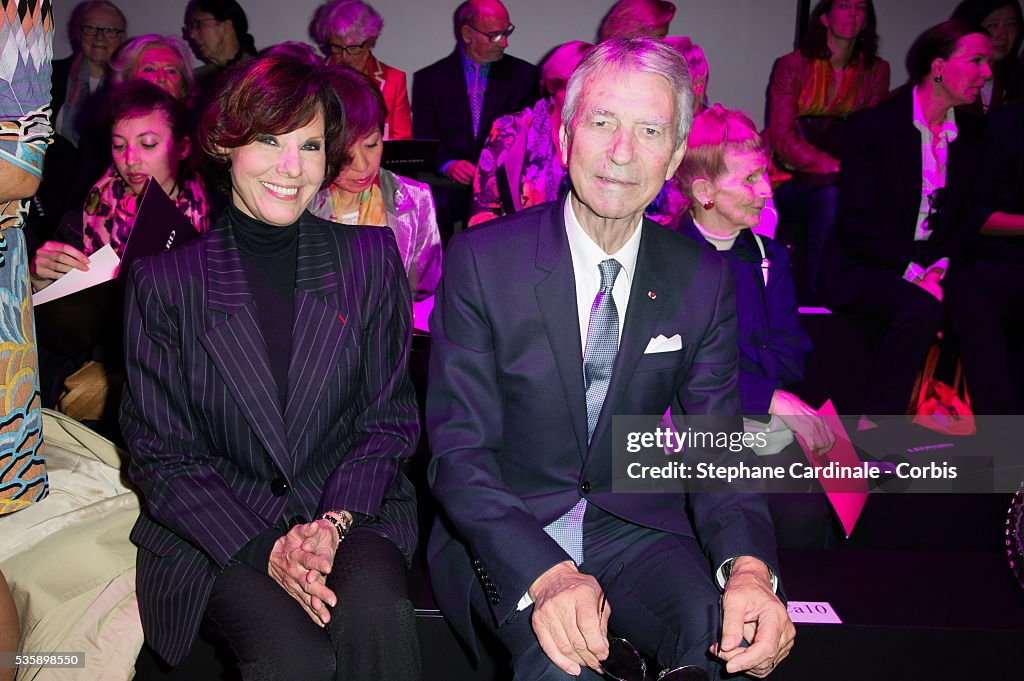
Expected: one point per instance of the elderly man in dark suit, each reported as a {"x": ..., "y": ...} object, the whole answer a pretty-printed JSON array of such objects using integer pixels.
[
  {"x": 457, "y": 99},
  {"x": 529, "y": 366}
]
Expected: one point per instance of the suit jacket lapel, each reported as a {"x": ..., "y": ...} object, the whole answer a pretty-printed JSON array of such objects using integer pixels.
[
  {"x": 641, "y": 322},
  {"x": 236, "y": 346},
  {"x": 319, "y": 331},
  {"x": 459, "y": 94},
  {"x": 907, "y": 152},
  {"x": 556, "y": 298}
]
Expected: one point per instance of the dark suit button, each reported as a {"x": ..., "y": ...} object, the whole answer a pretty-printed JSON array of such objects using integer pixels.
[
  {"x": 764, "y": 346},
  {"x": 585, "y": 487},
  {"x": 278, "y": 487},
  {"x": 297, "y": 520}
]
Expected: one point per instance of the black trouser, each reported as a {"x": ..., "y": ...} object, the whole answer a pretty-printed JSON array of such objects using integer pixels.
[{"x": 371, "y": 635}]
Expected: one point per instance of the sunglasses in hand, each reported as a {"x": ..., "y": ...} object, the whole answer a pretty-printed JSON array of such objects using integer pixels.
[{"x": 624, "y": 662}]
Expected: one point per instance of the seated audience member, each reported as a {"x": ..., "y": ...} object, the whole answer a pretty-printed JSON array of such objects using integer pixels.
[
  {"x": 908, "y": 195},
  {"x": 1002, "y": 19},
  {"x": 535, "y": 540},
  {"x": 257, "y": 452},
  {"x": 457, "y": 99},
  {"x": 162, "y": 60},
  {"x": 986, "y": 294},
  {"x": 147, "y": 140},
  {"x": 95, "y": 29},
  {"x": 636, "y": 18},
  {"x": 219, "y": 33},
  {"x": 347, "y": 31},
  {"x": 812, "y": 91},
  {"x": 724, "y": 174},
  {"x": 363, "y": 193},
  {"x": 521, "y": 164}
]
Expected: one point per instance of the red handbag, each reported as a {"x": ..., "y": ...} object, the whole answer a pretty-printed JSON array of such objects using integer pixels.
[{"x": 941, "y": 407}]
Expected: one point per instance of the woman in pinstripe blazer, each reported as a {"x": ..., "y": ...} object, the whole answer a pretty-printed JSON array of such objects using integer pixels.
[{"x": 259, "y": 450}]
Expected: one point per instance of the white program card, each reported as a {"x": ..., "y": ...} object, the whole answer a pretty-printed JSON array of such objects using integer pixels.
[{"x": 812, "y": 612}]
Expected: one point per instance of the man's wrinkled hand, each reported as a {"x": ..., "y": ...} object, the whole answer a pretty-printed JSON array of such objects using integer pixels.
[
  {"x": 567, "y": 618},
  {"x": 753, "y": 612}
]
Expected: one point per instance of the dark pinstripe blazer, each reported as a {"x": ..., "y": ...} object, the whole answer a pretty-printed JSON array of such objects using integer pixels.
[{"x": 214, "y": 457}]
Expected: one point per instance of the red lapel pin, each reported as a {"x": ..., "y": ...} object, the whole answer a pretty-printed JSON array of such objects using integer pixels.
[
  {"x": 652, "y": 295},
  {"x": 342, "y": 319}
]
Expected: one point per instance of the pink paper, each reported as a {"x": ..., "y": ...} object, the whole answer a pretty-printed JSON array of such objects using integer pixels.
[{"x": 847, "y": 495}]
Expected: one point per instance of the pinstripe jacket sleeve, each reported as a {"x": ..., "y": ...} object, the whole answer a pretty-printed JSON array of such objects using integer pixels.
[
  {"x": 381, "y": 438},
  {"x": 170, "y": 460}
]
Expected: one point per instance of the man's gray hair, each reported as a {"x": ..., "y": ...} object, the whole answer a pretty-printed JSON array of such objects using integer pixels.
[{"x": 642, "y": 55}]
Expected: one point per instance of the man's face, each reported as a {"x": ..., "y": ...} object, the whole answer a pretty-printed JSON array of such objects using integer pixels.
[
  {"x": 623, "y": 145},
  {"x": 210, "y": 35},
  {"x": 492, "y": 19},
  {"x": 107, "y": 34}
]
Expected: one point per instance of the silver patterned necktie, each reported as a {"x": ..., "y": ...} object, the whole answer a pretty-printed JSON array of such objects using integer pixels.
[
  {"x": 598, "y": 363},
  {"x": 476, "y": 96}
]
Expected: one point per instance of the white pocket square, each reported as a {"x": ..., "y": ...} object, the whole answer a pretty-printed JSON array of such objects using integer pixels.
[{"x": 662, "y": 344}]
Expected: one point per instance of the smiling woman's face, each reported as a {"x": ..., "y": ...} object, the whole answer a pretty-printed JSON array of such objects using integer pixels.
[{"x": 274, "y": 177}]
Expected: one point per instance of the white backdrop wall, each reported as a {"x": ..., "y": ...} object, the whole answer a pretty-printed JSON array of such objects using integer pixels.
[{"x": 741, "y": 38}]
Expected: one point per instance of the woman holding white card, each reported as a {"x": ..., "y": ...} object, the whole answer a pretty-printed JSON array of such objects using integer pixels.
[{"x": 148, "y": 140}]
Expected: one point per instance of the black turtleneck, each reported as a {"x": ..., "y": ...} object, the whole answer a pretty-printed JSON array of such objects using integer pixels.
[{"x": 269, "y": 254}]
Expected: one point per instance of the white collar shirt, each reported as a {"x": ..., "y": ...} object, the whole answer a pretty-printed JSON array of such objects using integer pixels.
[
  {"x": 934, "y": 156},
  {"x": 586, "y": 255}
]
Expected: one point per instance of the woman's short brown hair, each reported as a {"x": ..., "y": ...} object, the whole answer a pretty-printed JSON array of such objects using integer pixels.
[
  {"x": 715, "y": 132},
  {"x": 271, "y": 94}
]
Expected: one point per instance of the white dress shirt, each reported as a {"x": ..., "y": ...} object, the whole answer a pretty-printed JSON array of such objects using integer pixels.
[
  {"x": 586, "y": 255},
  {"x": 934, "y": 158}
]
